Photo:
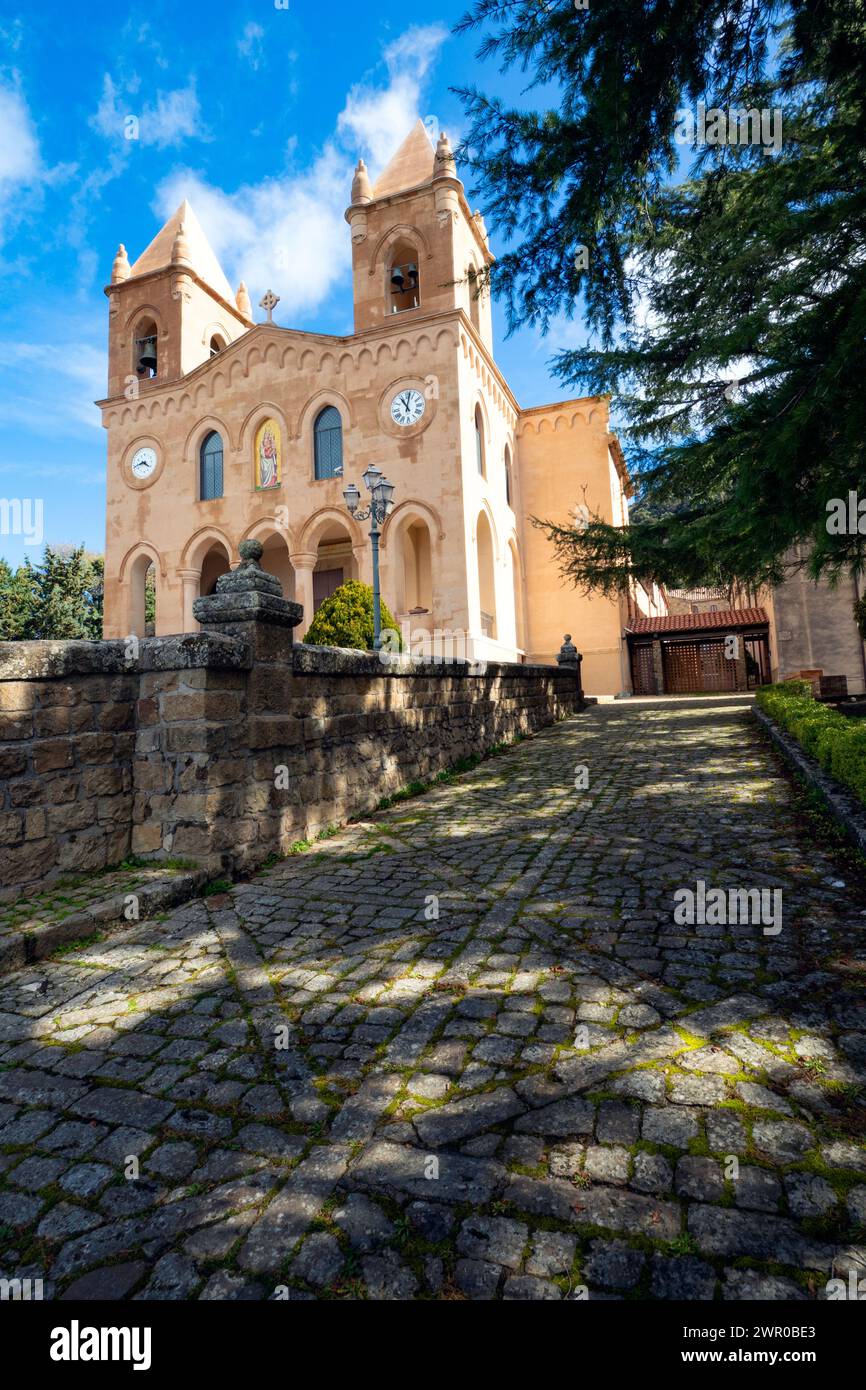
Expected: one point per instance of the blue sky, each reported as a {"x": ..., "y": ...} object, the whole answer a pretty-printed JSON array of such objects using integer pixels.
[{"x": 256, "y": 113}]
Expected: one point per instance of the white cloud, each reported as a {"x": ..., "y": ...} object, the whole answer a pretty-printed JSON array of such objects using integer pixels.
[
  {"x": 250, "y": 45},
  {"x": 174, "y": 117},
  {"x": 288, "y": 232},
  {"x": 374, "y": 120},
  {"x": 20, "y": 161}
]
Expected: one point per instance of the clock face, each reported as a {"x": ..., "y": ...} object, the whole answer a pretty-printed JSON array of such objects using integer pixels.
[
  {"x": 143, "y": 463},
  {"x": 407, "y": 407}
]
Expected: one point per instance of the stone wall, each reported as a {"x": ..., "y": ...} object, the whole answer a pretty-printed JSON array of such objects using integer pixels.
[{"x": 228, "y": 745}]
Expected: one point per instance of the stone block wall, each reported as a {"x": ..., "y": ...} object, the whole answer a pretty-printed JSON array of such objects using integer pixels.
[{"x": 225, "y": 747}]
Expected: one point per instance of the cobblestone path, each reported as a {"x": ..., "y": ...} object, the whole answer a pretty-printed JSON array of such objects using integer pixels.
[{"x": 466, "y": 1051}]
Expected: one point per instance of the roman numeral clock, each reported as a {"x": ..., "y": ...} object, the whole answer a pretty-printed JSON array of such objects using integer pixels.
[{"x": 407, "y": 407}]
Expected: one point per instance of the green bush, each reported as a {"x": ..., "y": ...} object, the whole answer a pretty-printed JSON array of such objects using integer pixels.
[
  {"x": 345, "y": 619},
  {"x": 836, "y": 741}
]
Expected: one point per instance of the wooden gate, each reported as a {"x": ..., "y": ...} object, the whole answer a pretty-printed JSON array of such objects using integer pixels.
[
  {"x": 643, "y": 676},
  {"x": 693, "y": 666}
]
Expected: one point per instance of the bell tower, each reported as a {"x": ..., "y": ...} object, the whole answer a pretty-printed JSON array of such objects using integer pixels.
[
  {"x": 171, "y": 310},
  {"x": 416, "y": 247}
]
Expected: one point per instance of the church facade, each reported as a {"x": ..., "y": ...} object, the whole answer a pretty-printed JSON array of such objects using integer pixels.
[{"x": 221, "y": 429}]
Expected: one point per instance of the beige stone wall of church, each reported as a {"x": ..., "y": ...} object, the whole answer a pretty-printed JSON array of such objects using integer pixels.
[
  {"x": 291, "y": 377},
  {"x": 812, "y": 628},
  {"x": 564, "y": 462}
]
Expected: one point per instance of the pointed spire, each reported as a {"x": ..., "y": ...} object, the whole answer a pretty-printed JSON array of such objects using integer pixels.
[
  {"x": 242, "y": 299},
  {"x": 445, "y": 167},
  {"x": 180, "y": 252},
  {"x": 120, "y": 268},
  {"x": 194, "y": 250},
  {"x": 411, "y": 166},
  {"x": 362, "y": 189}
]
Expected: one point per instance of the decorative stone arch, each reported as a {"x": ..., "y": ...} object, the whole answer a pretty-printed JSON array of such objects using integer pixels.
[
  {"x": 486, "y": 550},
  {"x": 423, "y": 511},
  {"x": 145, "y": 311},
  {"x": 208, "y": 424},
  {"x": 265, "y": 410},
  {"x": 133, "y": 578},
  {"x": 278, "y": 547},
  {"x": 200, "y": 543},
  {"x": 411, "y": 554},
  {"x": 518, "y": 585},
  {"x": 141, "y": 548},
  {"x": 403, "y": 231},
  {"x": 215, "y": 329},
  {"x": 485, "y": 509},
  {"x": 314, "y": 405},
  {"x": 313, "y": 527}
]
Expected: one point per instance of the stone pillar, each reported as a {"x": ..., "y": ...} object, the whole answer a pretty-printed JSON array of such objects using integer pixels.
[
  {"x": 249, "y": 604},
  {"x": 570, "y": 659},
  {"x": 190, "y": 582},
  {"x": 658, "y": 667},
  {"x": 303, "y": 563}
]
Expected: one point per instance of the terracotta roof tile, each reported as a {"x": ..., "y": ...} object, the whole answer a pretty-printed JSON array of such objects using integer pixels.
[{"x": 725, "y": 618}]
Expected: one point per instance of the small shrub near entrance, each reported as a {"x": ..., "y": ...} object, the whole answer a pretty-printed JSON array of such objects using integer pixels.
[
  {"x": 835, "y": 741},
  {"x": 345, "y": 619}
]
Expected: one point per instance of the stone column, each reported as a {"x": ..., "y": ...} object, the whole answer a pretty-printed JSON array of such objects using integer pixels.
[
  {"x": 303, "y": 563},
  {"x": 570, "y": 659},
  {"x": 190, "y": 582}
]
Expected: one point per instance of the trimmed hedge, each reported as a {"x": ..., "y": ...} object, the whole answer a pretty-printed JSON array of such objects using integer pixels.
[
  {"x": 345, "y": 619},
  {"x": 835, "y": 741}
]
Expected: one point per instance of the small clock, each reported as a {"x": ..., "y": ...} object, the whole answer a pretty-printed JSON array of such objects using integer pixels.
[
  {"x": 407, "y": 407},
  {"x": 143, "y": 464}
]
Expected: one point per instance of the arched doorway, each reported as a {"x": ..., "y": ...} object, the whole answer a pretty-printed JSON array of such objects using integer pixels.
[
  {"x": 141, "y": 603},
  {"x": 486, "y": 576}
]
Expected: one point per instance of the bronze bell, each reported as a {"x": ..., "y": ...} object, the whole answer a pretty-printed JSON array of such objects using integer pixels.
[
  {"x": 397, "y": 279},
  {"x": 147, "y": 356}
]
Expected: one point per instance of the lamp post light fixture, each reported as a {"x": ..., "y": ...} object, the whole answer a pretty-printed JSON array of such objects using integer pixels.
[{"x": 381, "y": 502}]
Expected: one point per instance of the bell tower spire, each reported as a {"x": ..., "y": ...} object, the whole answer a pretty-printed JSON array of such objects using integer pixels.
[{"x": 416, "y": 246}]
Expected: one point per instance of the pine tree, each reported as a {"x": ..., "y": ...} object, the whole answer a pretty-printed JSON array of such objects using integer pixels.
[{"x": 725, "y": 307}]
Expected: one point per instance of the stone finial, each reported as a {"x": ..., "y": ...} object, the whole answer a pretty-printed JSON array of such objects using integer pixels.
[
  {"x": 247, "y": 594},
  {"x": 120, "y": 267},
  {"x": 242, "y": 299},
  {"x": 362, "y": 189},
  {"x": 180, "y": 251},
  {"x": 568, "y": 654},
  {"x": 445, "y": 167},
  {"x": 478, "y": 218},
  {"x": 251, "y": 553}
]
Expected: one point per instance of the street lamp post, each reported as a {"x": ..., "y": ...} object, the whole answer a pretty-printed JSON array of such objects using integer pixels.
[{"x": 381, "y": 501}]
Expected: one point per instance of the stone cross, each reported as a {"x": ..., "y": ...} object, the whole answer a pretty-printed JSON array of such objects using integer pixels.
[{"x": 269, "y": 301}]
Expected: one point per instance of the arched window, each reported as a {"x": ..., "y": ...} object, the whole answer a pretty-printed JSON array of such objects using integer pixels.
[
  {"x": 217, "y": 343},
  {"x": 479, "y": 441},
  {"x": 328, "y": 443},
  {"x": 211, "y": 460},
  {"x": 474, "y": 298},
  {"x": 144, "y": 351},
  {"x": 509, "y": 495},
  {"x": 404, "y": 285}
]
